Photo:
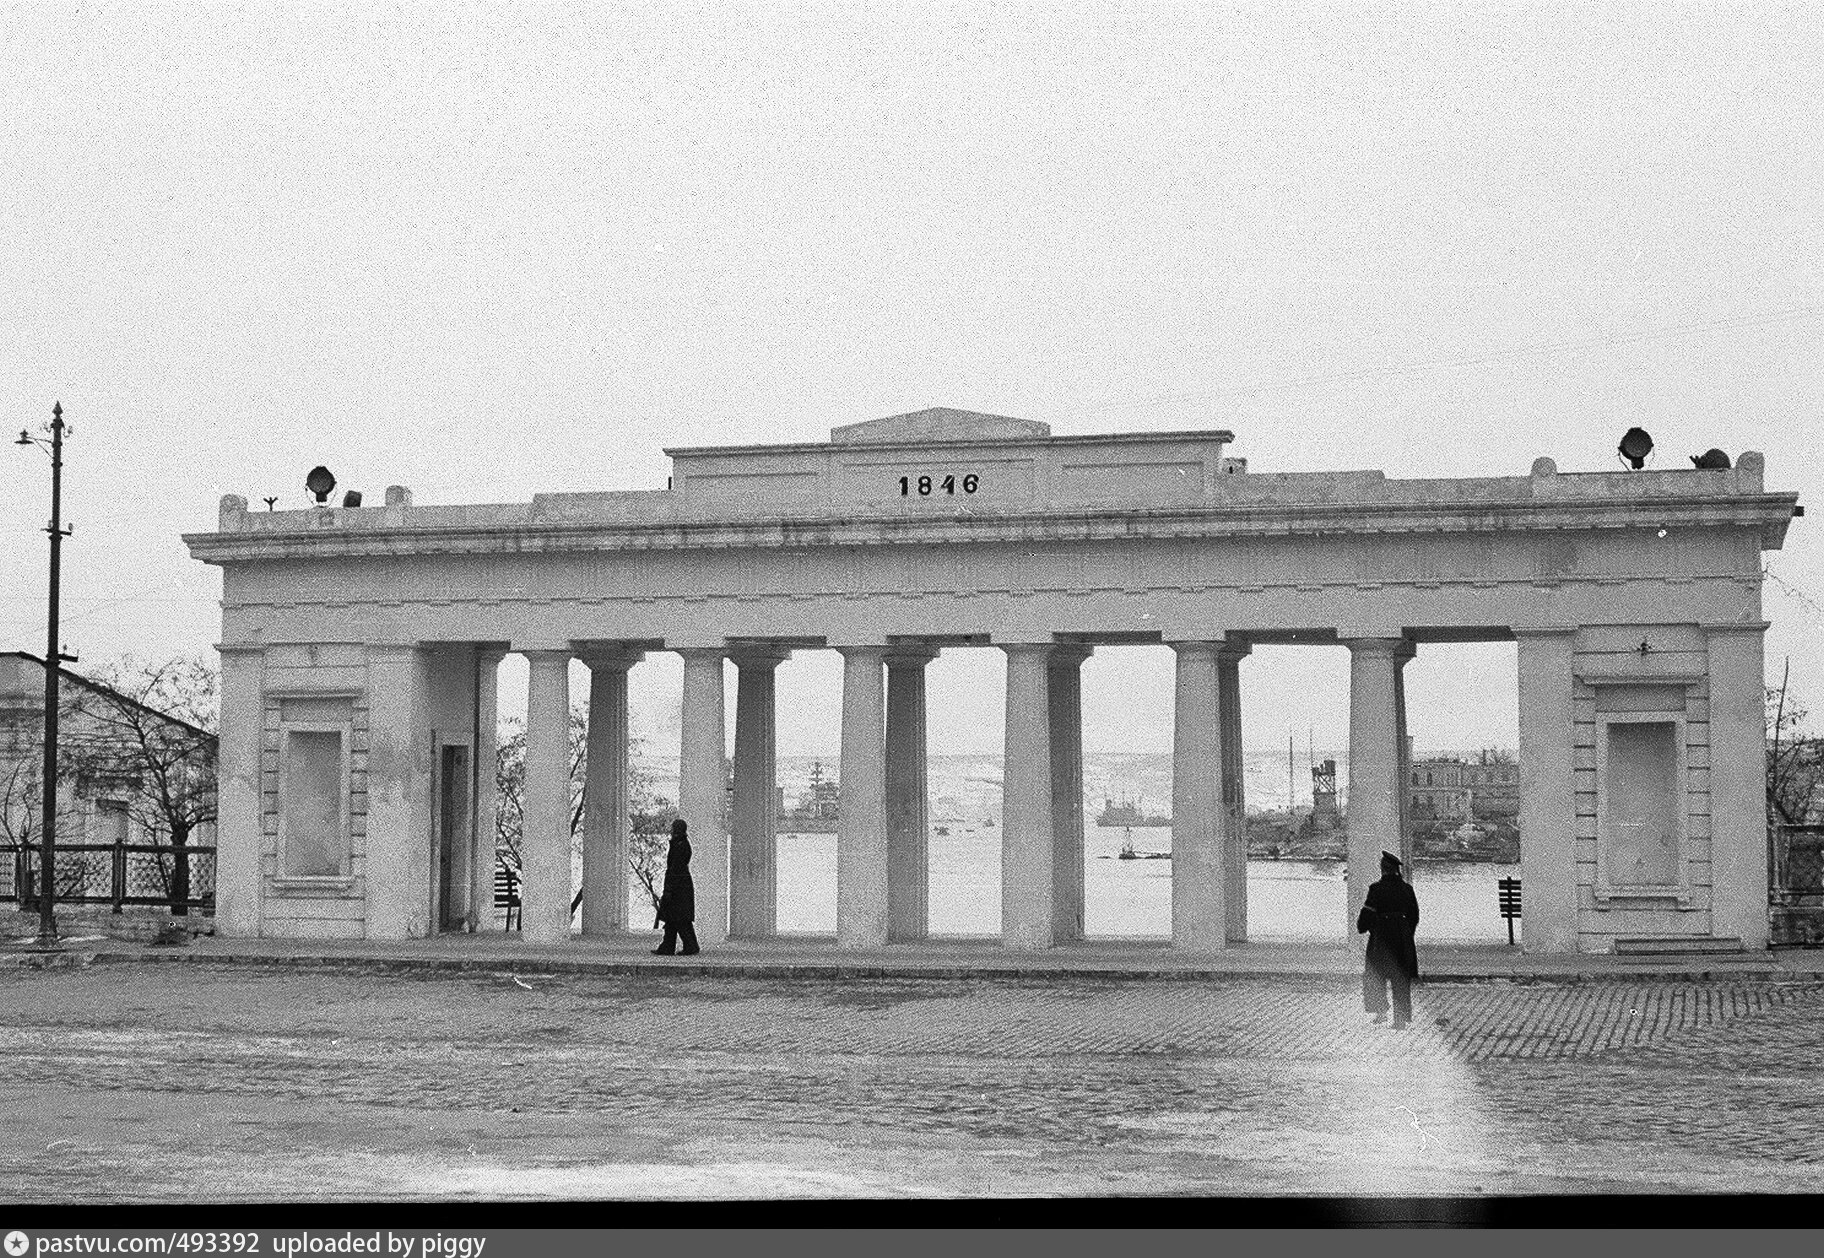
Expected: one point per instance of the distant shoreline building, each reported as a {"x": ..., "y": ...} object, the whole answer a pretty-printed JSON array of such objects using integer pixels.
[{"x": 1455, "y": 788}]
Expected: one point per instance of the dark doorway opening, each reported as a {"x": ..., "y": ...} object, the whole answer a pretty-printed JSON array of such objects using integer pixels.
[{"x": 453, "y": 821}]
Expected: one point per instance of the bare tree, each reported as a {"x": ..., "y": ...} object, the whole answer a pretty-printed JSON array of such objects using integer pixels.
[
  {"x": 509, "y": 790},
  {"x": 147, "y": 731},
  {"x": 1795, "y": 761},
  {"x": 649, "y": 814},
  {"x": 651, "y": 829},
  {"x": 22, "y": 805}
]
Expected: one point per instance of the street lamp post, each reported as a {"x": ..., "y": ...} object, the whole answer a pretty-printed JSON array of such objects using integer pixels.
[{"x": 53, "y": 660}]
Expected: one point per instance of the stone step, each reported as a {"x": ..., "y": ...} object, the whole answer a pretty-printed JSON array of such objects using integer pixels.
[{"x": 1678, "y": 946}]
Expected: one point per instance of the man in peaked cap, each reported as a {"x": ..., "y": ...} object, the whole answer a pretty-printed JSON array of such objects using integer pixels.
[{"x": 1389, "y": 918}]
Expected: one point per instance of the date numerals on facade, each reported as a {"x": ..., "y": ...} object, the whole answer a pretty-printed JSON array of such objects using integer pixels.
[{"x": 925, "y": 486}]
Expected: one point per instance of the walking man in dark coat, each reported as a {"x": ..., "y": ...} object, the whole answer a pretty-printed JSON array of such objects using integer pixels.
[
  {"x": 1389, "y": 919},
  {"x": 678, "y": 899}
]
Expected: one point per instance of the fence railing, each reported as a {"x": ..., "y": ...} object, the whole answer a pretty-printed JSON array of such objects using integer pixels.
[
  {"x": 1796, "y": 868},
  {"x": 181, "y": 878}
]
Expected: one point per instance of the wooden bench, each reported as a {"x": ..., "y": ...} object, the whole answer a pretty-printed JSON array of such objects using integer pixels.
[
  {"x": 1507, "y": 891},
  {"x": 506, "y": 890}
]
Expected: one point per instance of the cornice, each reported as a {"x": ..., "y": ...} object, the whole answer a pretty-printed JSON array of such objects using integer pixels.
[{"x": 1769, "y": 513}]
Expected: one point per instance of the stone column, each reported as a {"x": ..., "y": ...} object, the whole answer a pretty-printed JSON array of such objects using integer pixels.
[
  {"x": 1548, "y": 800},
  {"x": 487, "y": 798},
  {"x": 1064, "y": 697},
  {"x": 1738, "y": 784},
  {"x": 396, "y": 850},
  {"x": 1026, "y": 835},
  {"x": 1401, "y": 658},
  {"x": 753, "y": 833},
  {"x": 861, "y": 832},
  {"x": 605, "y": 804},
  {"x": 1199, "y": 886},
  {"x": 703, "y": 787},
  {"x": 544, "y": 843},
  {"x": 239, "y": 831},
  {"x": 908, "y": 825},
  {"x": 1376, "y": 783},
  {"x": 1234, "y": 792}
]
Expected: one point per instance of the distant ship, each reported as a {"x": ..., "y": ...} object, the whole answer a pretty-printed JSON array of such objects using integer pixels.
[
  {"x": 1128, "y": 853},
  {"x": 1128, "y": 813},
  {"x": 816, "y": 811}
]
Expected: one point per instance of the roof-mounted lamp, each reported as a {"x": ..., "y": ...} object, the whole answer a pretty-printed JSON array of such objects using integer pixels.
[
  {"x": 320, "y": 484},
  {"x": 1635, "y": 446}
]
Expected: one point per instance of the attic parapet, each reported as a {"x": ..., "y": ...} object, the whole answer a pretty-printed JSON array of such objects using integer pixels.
[{"x": 888, "y": 480}]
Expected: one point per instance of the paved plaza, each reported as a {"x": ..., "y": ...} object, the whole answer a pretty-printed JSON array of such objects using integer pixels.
[{"x": 138, "y": 1082}]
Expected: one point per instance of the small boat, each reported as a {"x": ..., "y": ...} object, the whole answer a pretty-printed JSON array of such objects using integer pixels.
[
  {"x": 1127, "y": 846},
  {"x": 941, "y": 830}
]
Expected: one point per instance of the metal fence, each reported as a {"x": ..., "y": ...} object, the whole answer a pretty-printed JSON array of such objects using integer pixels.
[
  {"x": 1797, "y": 866},
  {"x": 182, "y": 878}
]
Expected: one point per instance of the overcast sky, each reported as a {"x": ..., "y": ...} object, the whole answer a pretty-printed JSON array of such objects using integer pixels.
[{"x": 496, "y": 250}]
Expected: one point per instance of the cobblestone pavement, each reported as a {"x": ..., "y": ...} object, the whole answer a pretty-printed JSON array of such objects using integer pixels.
[{"x": 137, "y": 1082}]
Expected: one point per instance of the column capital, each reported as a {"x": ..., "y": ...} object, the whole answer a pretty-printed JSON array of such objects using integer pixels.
[
  {"x": 700, "y": 654},
  {"x": 681, "y": 642},
  {"x": 610, "y": 659},
  {"x": 1234, "y": 648},
  {"x": 762, "y": 655},
  {"x": 1195, "y": 648},
  {"x": 1027, "y": 648},
  {"x": 1389, "y": 646},
  {"x": 910, "y": 655},
  {"x": 858, "y": 640},
  {"x": 546, "y": 655},
  {"x": 862, "y": 650}
]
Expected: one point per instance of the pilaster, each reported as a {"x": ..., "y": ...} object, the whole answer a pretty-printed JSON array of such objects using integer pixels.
[
  {"x": 1548, "y": 801},
  {"x": 399, "y": 816},
  {"x": 238, "y": 804},
  {"x": 1738, "y": 783}
]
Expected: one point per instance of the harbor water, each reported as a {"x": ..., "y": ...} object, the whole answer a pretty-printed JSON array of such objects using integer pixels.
[{"x": 1288, "y": 900}]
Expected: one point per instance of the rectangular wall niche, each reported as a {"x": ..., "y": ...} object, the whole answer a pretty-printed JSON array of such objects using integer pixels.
[
  {"x": 1641, "y": 802},
  {"x": 313, "y": 804}
]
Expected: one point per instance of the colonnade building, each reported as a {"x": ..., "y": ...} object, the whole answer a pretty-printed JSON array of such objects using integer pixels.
[{"x": 360, "y": 644}]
